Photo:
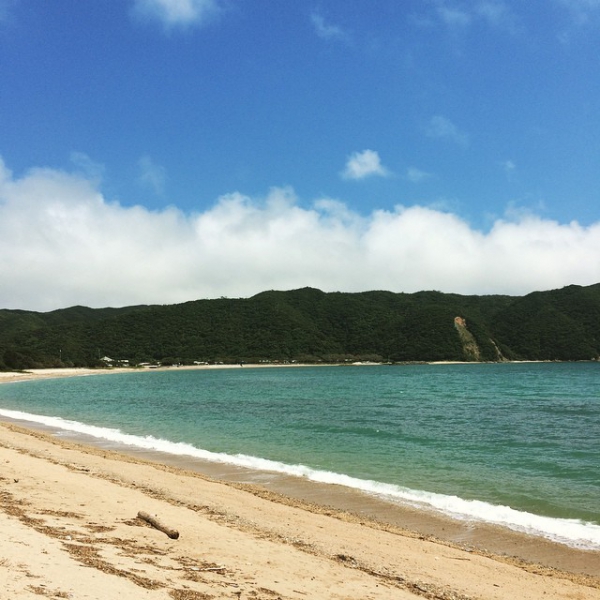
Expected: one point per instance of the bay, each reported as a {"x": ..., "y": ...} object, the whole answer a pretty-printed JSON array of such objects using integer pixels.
[{"x": 512, "y": 444}]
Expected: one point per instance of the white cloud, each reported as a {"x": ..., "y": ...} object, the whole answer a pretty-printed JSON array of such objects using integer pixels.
[
  {"x": 152, "y": 176},
  {"x": 63, "y": 244},
  {"x": 364, "y": 164},
  {"x": 176, "y": 13},
  {"x": 441, "y": 127},
  {"x": 325, "y": 30}
]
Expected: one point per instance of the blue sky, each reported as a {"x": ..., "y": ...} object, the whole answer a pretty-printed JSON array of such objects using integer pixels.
[{"x": 167, "y": 150}]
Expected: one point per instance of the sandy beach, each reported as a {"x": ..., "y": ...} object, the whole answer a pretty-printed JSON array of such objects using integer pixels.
[{"x": 71, "y": 530}]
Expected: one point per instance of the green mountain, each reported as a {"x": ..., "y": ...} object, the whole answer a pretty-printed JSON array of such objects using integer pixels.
[{"x": 308, "y": 325}]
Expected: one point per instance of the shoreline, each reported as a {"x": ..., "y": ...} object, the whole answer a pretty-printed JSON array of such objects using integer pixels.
[
  {"x": 61, "y": 372},
  {"x": 338, "y": 503},
  {"x": 63, "y": 501},
  {"x": 472, "y": 536}
]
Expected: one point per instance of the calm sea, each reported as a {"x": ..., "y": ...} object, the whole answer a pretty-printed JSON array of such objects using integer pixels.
[{"x": 512, "y": 444}]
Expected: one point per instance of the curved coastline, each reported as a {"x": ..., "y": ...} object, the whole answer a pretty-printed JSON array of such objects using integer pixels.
[
  {"x": 345, "y": 504},
  {"x": 58, "y": 495},
  {"x": 471, "y": 514}
]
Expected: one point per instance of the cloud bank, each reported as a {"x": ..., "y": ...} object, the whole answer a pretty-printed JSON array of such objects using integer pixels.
[{"x": 62, "y": 243}]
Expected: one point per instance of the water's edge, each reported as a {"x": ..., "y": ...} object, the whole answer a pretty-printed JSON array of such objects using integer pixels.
[
  {"x": 200, "y": 416},
  {"x": 475, "y": 536}
]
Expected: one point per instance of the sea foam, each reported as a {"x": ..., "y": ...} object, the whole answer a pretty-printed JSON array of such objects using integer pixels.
[{"x": 571, "y": 532}]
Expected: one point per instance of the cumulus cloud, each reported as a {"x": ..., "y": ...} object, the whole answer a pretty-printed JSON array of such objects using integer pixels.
[
  {"x": 441, "y": 127},
  {"x": 152, "y": 175},
  {"x": 327, "y": 31},
  {"x": 364, "y": 164},
  {"x": 63, "y": 244},
  {"x": 175, "y": 13}
]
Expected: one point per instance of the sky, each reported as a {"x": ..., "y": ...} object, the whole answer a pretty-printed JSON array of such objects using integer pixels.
[{"x": 161, "y": 151}]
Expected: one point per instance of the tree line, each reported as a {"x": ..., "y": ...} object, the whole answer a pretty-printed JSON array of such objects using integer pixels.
[{"x": 308, "y": 325}]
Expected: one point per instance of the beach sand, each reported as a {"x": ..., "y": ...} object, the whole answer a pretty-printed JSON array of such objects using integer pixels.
[{"x": 70, "y": 529}]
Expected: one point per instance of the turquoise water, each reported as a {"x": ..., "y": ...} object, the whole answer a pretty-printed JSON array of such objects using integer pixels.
[{"x": 513, "y": 444}]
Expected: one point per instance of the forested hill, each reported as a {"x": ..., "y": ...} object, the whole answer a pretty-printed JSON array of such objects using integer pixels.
[{"x": 308, "y": 325}]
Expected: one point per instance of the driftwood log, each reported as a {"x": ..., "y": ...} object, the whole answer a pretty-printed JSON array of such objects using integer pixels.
[{"x": 172, "y": 533}]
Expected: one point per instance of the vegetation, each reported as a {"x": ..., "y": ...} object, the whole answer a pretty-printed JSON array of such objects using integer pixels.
[{"x": 308, "y": 325}]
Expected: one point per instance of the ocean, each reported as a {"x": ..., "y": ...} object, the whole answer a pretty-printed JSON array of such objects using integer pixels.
[{"x": 515, "y": 445}]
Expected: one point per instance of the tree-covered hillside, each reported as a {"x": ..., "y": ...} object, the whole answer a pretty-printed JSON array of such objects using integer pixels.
[{"x": 308, "y": 325}]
